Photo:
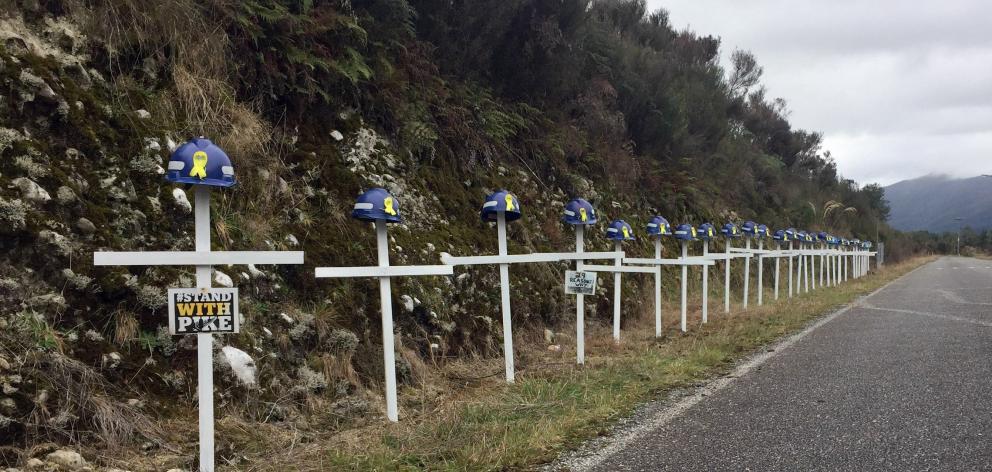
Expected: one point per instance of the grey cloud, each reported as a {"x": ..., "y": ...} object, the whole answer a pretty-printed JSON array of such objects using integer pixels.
[{"x": 900, "y": 89}]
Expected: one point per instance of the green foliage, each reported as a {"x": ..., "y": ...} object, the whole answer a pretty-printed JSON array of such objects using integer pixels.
[
  {"x": 149, "y": 340},
  {"x": 41, "y": 334}
]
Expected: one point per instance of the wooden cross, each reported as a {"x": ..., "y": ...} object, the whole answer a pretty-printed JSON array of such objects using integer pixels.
[
  {"x": 203, "y": 259},
  {"x": 384, "y": 272}
]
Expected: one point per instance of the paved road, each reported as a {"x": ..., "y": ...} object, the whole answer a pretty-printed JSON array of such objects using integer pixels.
[{"x": 901, "y": 382}]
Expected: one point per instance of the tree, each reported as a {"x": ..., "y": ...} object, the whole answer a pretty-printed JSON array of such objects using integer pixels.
[
  {"x": 746, "y": 74},
  {"x": 876, "y": 200}
]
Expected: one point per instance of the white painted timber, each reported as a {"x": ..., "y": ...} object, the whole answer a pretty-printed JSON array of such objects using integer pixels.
[
  {"x": 528, "y": 258},
  {"x": 382, "y": 271},
  {"x": 196, "y": 258},
  {"x": 621, "y": 269}
]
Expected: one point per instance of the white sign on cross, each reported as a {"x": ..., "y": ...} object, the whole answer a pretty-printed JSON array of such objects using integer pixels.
[
  {"x": 498, "y": 206},
  {"x": 618, "y": 231},
  {"x": 203, "y": 259},
  {"x": 379, "y": 207}
]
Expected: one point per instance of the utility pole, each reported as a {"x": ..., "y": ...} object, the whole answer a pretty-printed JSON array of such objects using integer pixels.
[{"x": 959, "y": 219}]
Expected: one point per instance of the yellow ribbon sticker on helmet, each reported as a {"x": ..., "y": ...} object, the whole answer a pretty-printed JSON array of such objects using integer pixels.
[
  {"x": 509, "y": 202},
  {"x": 709, "y": 231},
  {"x": 582, "y": 214},
  {"x": 199, "y": 165},
  {"x": 694, "y": 232},
  {"x": 388, "y": 203},
  {"x": 626, "y": 234},
  {"x": 664, "y": 229}
]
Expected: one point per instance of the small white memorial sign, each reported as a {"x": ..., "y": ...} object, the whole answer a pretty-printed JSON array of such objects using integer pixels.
[
  {"x": 203, "y": 310},
  {"x": 580, "y": 282}
]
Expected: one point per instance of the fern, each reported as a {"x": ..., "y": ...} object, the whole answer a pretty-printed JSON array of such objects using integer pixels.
[{"x": 352, "y": 66}]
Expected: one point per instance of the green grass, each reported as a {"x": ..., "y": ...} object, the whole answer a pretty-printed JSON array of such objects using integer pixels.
[{"x": 554, "y": 406}]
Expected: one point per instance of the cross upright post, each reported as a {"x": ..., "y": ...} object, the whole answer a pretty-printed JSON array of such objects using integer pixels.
[
  {"x": 823, "y": 260},
  {"x": 726, "y": 277},
  {"x": 730, "y": 232},
  {"x": 706, "y": 232},
  {"x": 617, "y": 291},
  {"x": 811, "y": 268},
  {"x": 204, "y": 341},
  {"x": 762, "y": 234},
  {"x": 747, "y": 270},
  {"x": 658, "y": 227},
  {"x": 812, "y": 261},
  {"x": 580, "y": 306},
  {"x": 685, "y": 281},
  {"x": 706, "y": 282}
]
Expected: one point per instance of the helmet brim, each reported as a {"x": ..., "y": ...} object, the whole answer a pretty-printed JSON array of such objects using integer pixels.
[{"x": 197, "y": 181}]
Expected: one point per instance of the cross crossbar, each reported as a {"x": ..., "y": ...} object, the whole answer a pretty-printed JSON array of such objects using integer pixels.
[
  {"x": 693, "y": 261},
  {"x": 382, "y": 271},
  {"x": 628, "y": 269},
  {"x": 195, "y": 258},
  {"x": 528, "y": 258}
]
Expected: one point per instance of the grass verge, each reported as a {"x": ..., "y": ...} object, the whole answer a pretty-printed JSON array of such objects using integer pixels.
[{"x": 554, "y": 405}]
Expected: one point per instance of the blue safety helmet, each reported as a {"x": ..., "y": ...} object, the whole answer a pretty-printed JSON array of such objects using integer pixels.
[
  {"x": 500, "y": 201},
  {"x": 763, "y": 231},
  {"x": 579, "y": 212},
  {"x": 619, "y": 230},
  {"x": 792, "y": 234},
  {"x": 749, "y": 228},
  {"x": 377, "y": 204},
  {"x": 802, "y": 237},
  {"x": 731, "y": 231},
  {"x": 685, "y": 232},
  {"x": 200, "y": 162},
  {"x": 658, "y": 226},
  {"x": 706, "y": 232},
  {"x": 781, "y": 235},
  {"x": 822, "y": 236}
]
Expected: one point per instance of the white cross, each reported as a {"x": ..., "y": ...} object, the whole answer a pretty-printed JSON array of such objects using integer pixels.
[
  {"x": 203, "y": 258},
  {"x": 729, "y": 254},
  {"x": 384, "y": 272},
  {"x": 747, "y": 252},
  {"x": 580, "y": 307},
  {"x": 617, "y": 269},
  {"x": 685, "y": 261},
  {"x": 504, "y": 260}
]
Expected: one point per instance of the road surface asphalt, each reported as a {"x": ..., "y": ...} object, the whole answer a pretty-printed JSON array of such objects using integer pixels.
[{"x": 901, "y": 382}]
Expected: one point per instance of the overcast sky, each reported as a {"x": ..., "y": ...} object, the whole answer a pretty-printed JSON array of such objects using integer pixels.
[{"x": 899, "y": 88}]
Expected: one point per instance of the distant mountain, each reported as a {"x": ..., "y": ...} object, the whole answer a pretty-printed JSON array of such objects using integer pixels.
[{"x": 933, "y": 202}]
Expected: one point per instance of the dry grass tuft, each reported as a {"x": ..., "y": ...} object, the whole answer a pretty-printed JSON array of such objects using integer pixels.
[
  {"x": 82, "y": 400},
  {"x": 125, "y": 327}
]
